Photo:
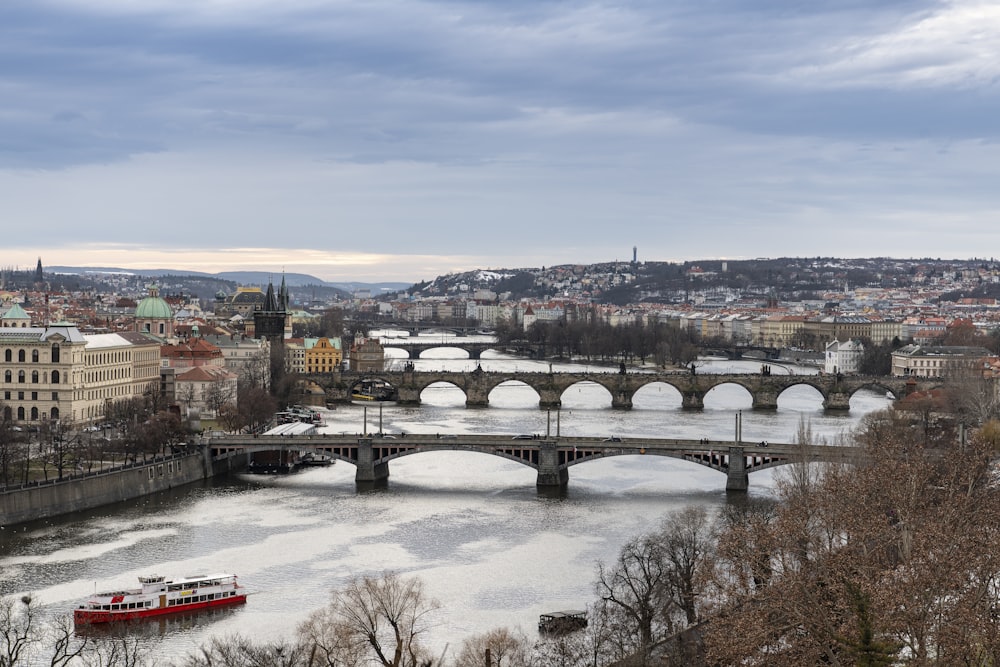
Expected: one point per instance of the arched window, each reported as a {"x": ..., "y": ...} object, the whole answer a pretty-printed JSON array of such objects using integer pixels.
[
  {"x": 8, "y": 355},
  {"x": 55, "y": 377},
  {"x": 20, "y": 356},
  {"x": 34, "y": 414},
  {"x": 54, "y": 414},
  {"x": 7, "y": 376},
  {"x": 20, "y": 414},
  {"x": 34, "y": 356},
  {"x": 55, "y": 354},
  {"x": 20, "y": 377},
  {"x": 8, "y": 414},
  {"x": 34, "y": 377}
]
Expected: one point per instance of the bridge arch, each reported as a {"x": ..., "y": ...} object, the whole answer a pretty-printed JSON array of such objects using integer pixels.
[
  {"x": 583, "y": 394},
  {"x": 657, "y": 395},
  {"x": 514, "y": 394},
  {"x": 737, "y": 392}
]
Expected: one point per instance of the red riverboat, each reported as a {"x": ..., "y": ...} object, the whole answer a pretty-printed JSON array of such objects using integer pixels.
[{"x": 159, "y": 596}]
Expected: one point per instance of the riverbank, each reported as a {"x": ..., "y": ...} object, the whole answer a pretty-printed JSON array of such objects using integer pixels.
[{"x": 87, "y": 490}]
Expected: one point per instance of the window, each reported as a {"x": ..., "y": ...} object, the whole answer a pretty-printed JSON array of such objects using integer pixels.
[
  {"x": 8, "y": 356},
  {"x": 55, "y": 354},
  {"x": 34, "y": 377},
  {"x": 54, "y": 413},
  {"x": 55, "y": 377},
  {"x": 20, "y": 356},
  {"x": 55, "y": 396},
  {"x": 34, "y": 356},
  {"x": 7, "y": 376},
  {"x": 34, "y": 395},
  {"x": 20, "y": 377}
]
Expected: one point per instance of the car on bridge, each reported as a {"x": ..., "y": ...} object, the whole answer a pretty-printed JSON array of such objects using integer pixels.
[{"x": 613, "y": 438}]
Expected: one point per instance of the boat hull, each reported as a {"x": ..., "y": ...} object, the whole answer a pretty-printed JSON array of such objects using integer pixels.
[{"x": 94, "y": 616}]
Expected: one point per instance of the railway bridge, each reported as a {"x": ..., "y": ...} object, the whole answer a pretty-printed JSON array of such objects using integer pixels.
[
  {"x": 764, "y": 389},
  {"x": 551, "y": 457}
]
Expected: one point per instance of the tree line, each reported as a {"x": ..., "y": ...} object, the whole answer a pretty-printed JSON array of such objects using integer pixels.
[{"x": 595, "y": 340}]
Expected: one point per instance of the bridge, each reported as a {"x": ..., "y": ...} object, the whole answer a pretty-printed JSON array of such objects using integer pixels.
[
  {"x": 551, "y": 457},
  {"x": 475, "y": 350},
  {"x": 765, "y": 389}
]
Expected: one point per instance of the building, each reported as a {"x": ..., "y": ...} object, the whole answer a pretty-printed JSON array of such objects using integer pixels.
[
  {"x": 367, "y": 356},
  {"x": 843, "y": 357},
  {"x": 154, "y": 315},
  {"x": 57, "y": 373},
  {"x": 936, "y": 361},
  {"x": 205, "y": 389},
  {"x": 323, "y": 355},
  {"x": 270, "y": 319}
]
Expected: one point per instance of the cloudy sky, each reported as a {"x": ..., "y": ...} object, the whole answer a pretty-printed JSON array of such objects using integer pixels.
[{"x": 403, "y": 139}]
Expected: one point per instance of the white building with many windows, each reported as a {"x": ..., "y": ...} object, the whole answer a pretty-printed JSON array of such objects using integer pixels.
[{"x": 57, "y": 373}]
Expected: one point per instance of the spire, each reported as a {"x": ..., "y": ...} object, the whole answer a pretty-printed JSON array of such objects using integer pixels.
[
  {"x": 283, "y": 293},
  {"x": 270, "y": 302},
  {"x": 38, "y": 271}
]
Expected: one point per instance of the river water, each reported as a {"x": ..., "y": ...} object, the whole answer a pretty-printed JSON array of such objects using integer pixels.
[{"x": 472, "y": 527}]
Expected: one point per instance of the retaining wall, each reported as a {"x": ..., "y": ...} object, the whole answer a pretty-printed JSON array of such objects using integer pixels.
[{"x": 84, "y": 491}]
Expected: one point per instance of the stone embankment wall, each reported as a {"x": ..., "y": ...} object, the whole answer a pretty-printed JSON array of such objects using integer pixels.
[{"x": 84, "y": 491}]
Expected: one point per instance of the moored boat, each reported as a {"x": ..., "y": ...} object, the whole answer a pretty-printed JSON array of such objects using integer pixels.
[{"x": 158, "y": 596}]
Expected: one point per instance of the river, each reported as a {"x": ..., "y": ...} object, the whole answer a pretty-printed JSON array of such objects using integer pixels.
[{"x": 472, "y": 527}]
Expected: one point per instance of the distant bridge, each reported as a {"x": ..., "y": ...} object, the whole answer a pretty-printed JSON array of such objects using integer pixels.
[
  {"x": 550, "y": 456},
  {"x": 764, "y": 389},
  {"x": 475, "y": 350}
]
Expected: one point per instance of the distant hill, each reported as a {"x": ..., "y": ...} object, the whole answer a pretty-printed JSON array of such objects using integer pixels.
[{"x": 260, "y": 278}]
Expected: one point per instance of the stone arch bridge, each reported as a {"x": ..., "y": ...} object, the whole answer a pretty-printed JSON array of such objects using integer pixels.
[
  {"x": 407, "y": 385},
  {"x": 551, "y": 457}
]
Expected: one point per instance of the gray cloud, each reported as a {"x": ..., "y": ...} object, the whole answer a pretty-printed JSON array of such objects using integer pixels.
[{"x": 426, "y": 124}]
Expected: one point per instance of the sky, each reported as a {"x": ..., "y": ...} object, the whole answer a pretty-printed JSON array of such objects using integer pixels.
[{"x": 391, "y": 140}]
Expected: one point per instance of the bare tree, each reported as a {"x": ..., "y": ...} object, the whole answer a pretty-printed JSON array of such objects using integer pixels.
[
  {"x": 19, "y": 632},
  {"x": 240, "y": 651},
  {"x": 388, "y": 614},
  {"x": 896, "y": 559},
  {"x": 635, "y": 586},
  {"x": 501, "y": 646}
]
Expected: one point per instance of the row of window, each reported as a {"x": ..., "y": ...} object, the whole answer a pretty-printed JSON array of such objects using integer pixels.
[
  {"x": 22, "y": 414},
  {"x": 8, "y": 355},
  {"x": 8, "y": 377},
  {"x": 34, "y": 395},
  {"x": 200, "y": 598}
]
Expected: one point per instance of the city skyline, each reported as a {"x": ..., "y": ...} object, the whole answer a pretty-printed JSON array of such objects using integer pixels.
[{"x": 399, "y": 142}]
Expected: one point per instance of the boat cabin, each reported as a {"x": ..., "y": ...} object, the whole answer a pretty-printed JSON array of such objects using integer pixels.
[{"x": 562, "y": 622}]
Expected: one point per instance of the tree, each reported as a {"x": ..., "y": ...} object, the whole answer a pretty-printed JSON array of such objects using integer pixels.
[
  {"x": 240, "y": 651},
  {"x": 894, "y": 559},
  {"x": 386, "y": 614},
  {"x": 632, "y": 590},
  {"x": 504, "y": 648},
  {"x": 18, "y": 630}
]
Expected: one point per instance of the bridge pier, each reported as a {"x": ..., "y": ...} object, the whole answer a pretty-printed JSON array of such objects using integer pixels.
[
  {"x": 407, "y": 396},
  {"x": 737, "y": 478},
  {"x": 621, "y": 400},
  {"x": 370, "y": 474},
  {"x": 549, "y": 399},
  {"x": 837, "y": 400},
  {"x": 550, "y": 476},
  {"x": 693, "y": 399},
  {"x": 765, "y": 399}
]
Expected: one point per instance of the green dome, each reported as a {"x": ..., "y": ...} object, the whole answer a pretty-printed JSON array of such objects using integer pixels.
[{"x": 153, "y": 307}]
